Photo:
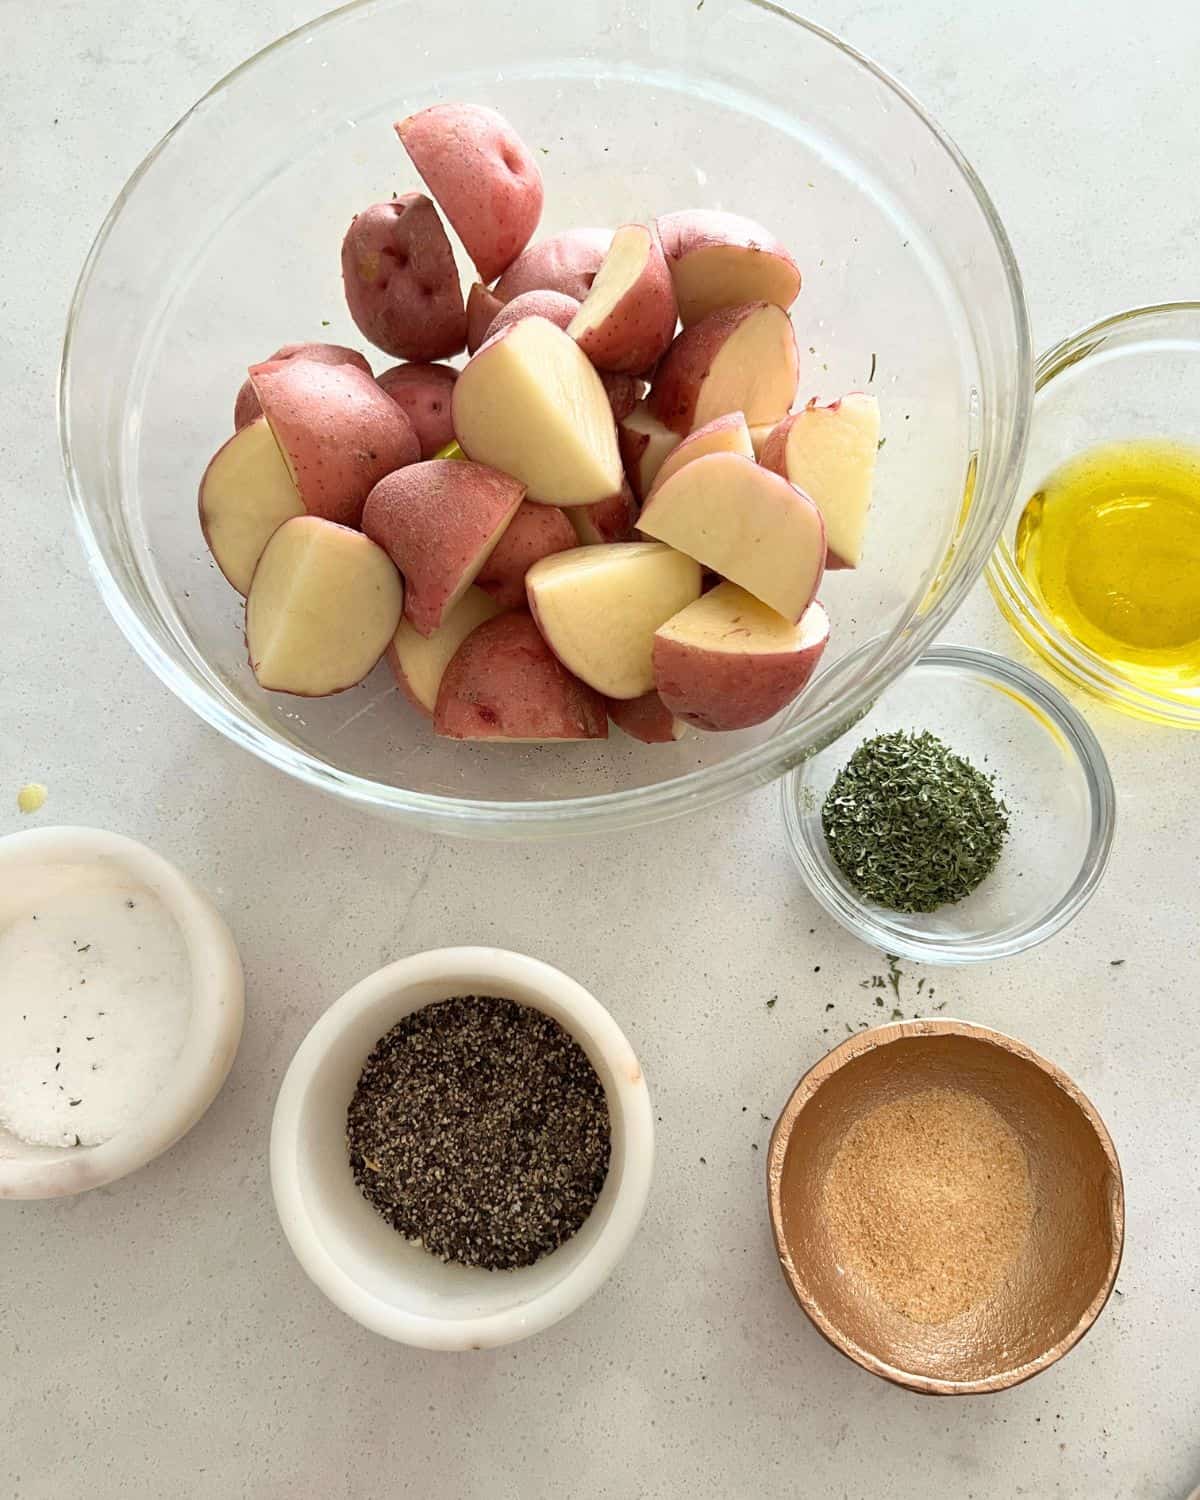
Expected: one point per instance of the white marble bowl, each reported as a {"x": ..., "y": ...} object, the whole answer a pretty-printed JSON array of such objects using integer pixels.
[
  {"x": 393, "y": 1285},
  {"x": 28, "y": 863}
]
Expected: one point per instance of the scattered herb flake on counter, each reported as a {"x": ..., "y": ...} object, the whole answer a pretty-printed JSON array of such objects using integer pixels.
[
  {"x": 911, "y": 825},
  {"x": 479, "y": 1127}
]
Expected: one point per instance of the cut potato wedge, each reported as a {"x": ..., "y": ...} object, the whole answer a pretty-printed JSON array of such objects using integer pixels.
[
  {"x": 422, "y": 392},
  {"x": 535, "y": 531},
  {"x": 246, "y": 408},
  {"x": 439, "y": 522},
  {"x": 338, "y": 432},
  {"x": 647, "y": 719},
  {"x": 728, "y": 434},
  {"x": 555, "y": 307},
  {"x": 628, "y": 318},
  {"x": 624, "y": 392},
  {"x": 530, "y": 404},
  {"x": 610, "y": 520},
  {"x": 401, "y": 282},
  {"x": 728, "y": 661},
  {"x": 323, "y": 604},
  {"x": 829, "y": 452},
  {"x": 723, "y": 260},
  {"x": 644, "y": 442},
  {"x": 598, "y": 608},
  {"x": 746, "y": 523},
  {"x": 418, "y": 661},
  {"x": 483, "y": 177},
  {"x": 482, "y": 307},
  {"x": 738, "y": 359},
  {"x": 759, "y": 433},
  {"x": 505, "y": 683},
  {"x": 245, "y": 495},
  {"x": 564, "y": 262}
]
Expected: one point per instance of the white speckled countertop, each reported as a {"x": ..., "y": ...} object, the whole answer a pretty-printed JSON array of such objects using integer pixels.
[{"x": 157, "y": 1337}]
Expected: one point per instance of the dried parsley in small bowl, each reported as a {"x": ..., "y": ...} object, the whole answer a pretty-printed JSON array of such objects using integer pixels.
[
  {"x": 968, "y": 816},
  {"x": 911, "y": 825}
]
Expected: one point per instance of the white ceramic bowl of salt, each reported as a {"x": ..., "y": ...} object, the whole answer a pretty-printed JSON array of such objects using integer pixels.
[
  {"x": 393, "y": 1285},
  {"x": 121, "y": 1004}
]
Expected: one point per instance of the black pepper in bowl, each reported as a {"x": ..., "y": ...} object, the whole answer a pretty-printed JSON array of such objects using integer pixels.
[{"x": 479, "y": 1127}]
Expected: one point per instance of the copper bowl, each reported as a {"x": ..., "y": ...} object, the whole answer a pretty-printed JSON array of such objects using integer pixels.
[{"x": 1052, "y": 1292}]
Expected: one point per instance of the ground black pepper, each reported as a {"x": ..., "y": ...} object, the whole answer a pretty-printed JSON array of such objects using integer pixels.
[{"x": 480, "y": 1128}]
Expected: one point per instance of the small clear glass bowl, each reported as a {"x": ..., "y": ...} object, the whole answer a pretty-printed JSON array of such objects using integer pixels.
[
  {"x": 1134, "y": 375},
  {"x": 1050, "y": 770}
]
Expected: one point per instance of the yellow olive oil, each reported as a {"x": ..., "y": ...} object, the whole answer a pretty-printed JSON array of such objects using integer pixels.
[{"x": 1111, "y": 546}]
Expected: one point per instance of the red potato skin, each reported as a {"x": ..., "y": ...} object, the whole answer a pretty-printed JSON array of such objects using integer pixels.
[
  {"x": 483, "y": 177},
  {"x": 638, "y": 330},
  {"x": 687, "y": 450},
  {"x": 565, "y": 262},
  {"x": 717, "y": 690},
  {"x": 482, "y": 307},
  {"x": 647, "y": 719},
  {"x": 504, "y": 682},
  {"x": 433, "y": 519},
  {"x": 693, "y": 229},
  {"x": 535, "y": 531},
  {"x": 339, "y": 433},
  {"x": 401, "y": 282},
  {"x": 422, "y": 392},
  {"x": 677, "y": 381},
  {"x": 774, "y": 457},
  {"x": 556, "y": 307},
  {"x": 247, "y": 408},
  {"x": 623, "y": 391},
  {"x": 611, "y": 520}
]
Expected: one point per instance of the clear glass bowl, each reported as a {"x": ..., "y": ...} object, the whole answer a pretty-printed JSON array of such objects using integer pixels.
[
  {"x": 224, "y": 244},
  {"x": 1134, "y": 375},
  {"x": 1050, "y": 770}
]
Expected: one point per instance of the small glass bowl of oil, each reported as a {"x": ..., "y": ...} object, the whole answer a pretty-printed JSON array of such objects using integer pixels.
[{"x": 1098, "y": 569}]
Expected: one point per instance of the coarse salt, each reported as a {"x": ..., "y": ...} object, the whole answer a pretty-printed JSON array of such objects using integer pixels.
[{"x": 95, "y": 999}]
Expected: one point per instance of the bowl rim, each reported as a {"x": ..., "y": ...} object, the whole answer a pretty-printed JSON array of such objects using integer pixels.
[
  {"x": 210, "y": 1042},
  {"x": 1017, "y": 601},
  {"x": 808, "y": 1086},
  {"x": 840, "y": 902},
  {"x": 628, "y": 1102},
  {"x": 607, "y": 811}
]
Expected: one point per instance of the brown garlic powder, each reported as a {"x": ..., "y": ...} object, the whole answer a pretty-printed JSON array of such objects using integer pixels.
[{"x": 928, "y": 1202}]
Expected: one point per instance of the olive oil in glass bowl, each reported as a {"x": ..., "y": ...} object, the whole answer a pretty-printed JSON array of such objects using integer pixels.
[{"x": 1098, "y": 567}]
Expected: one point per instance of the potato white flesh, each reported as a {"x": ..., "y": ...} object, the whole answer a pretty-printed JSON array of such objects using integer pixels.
[
  {"x": 829, "y": 452},
  {"x": 419, "y": 661},
  {"x": 722, "y": 260},
  {"x": 323, "y": 604},
  {"x": 759, "y": 433},
  {"x": 598, "y": 609},
  {"x": 247, "y": 493},
  {"x": 530, "y": 404},
  {"x": 737, "y": 359},
  {"x": 729, "y": 662},
  {"x": 644, "y": 442},
  {"x": 746, "y": 523},
  {"x": 728, "y": 434},
  {"x": 628, "y": 318}
]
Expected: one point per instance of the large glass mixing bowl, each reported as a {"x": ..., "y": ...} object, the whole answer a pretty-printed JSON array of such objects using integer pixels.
[{"x": 224, "y": 244}]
